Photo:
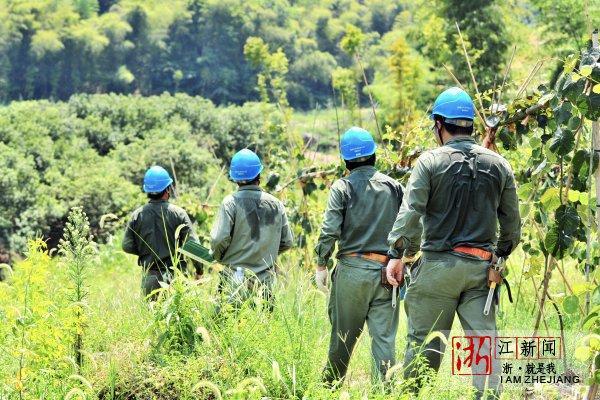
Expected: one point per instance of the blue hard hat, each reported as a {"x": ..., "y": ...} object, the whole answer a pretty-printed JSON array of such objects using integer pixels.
[
  {"x": 156, "y": 180},
  {"x": 357, "y": 143},
  {"x": 245, "y": 166},
  {"x": 454, "y": 104}
]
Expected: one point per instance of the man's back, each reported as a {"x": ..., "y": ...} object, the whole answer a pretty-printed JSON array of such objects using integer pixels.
[
  {"x": 251, "y": 230},
  {"x": 470, "y": 188},
  {"x": 151, "y": 233},
  {"x": 360, "y": 212}
]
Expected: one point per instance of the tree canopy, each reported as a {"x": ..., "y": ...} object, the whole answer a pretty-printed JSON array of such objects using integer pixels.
[{"x": 52, "y": 49}]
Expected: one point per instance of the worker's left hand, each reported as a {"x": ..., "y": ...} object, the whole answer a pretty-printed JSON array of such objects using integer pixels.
[{"x": 395, "y": 272}]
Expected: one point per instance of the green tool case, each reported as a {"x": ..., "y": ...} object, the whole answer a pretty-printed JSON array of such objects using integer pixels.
[{"x": 196, "y": 251}]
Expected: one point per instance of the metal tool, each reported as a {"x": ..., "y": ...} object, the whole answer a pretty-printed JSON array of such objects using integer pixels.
[
  {"x": 499, "y": 266},
  {"x": 394, "y": 295}
]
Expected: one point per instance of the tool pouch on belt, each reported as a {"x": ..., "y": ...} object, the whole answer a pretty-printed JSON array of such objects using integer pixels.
[{"x": 494, "y": 276}]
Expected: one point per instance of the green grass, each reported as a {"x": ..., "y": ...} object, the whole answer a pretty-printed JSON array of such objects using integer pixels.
[{"x": 251, "y": 355}]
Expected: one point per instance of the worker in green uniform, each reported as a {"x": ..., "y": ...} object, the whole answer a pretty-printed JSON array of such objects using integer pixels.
[
  {"x": 361, "y": 210},
  {"x": 461, "y": 191},
  {"x": 250, "y": 231},
  {"x": 150, "y": 234}
]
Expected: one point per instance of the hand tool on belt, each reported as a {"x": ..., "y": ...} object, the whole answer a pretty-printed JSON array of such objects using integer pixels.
[
  {"x": 383, "y": 259},
  {"x": 494, "y": 279}
]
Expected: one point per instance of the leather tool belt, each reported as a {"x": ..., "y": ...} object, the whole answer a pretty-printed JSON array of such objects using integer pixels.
[{"x": 474, "y": 251}]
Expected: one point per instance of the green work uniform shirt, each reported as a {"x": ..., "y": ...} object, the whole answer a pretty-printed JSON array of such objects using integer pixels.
[
  {"x": 251, "y": 230},
  {"x": 461, "y": 191},
  {"x": 150, "y": 234},
  {"x": 361, "y": 210}
]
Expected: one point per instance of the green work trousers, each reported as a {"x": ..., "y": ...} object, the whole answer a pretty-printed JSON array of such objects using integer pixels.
[
  {"x": 151, "y": 282},
  {"x": 442, "y": 285},
  {"x": 253, "y": 286},
  {"x": 154, "y": 276},
  {"x": 358, "y": 297}
]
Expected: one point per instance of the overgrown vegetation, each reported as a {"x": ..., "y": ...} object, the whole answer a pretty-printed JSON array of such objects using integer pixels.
[
  {"x": 73, "y": 323},
  {"x": 93, "y": 151}
]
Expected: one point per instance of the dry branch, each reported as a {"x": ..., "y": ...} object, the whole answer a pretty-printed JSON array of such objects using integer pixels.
[
  {"x": 462, "y": 42},
  {"x": 310, "y": 175}
]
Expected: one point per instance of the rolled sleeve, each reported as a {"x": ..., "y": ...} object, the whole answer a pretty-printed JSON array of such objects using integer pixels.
[{"x": 331, "y": 228}]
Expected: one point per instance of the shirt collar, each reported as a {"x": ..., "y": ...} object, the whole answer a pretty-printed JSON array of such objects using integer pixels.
[
  {"x": 158, "y": 201},
  {"x": 364, "y": 168},
  {"x": 460, "y": 139},
  {"x": 249, "y": 187}
]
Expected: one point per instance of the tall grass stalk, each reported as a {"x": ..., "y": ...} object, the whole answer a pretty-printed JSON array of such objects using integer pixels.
[
  {"x": 76, "y": 247},
  {"x": 22, "y": 324}
]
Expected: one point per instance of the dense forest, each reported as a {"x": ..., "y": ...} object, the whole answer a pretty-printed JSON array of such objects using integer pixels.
[{"x": 53, "y": 49}]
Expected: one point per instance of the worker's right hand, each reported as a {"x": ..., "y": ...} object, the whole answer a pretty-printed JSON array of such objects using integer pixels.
[
  {"x": 321, "y": 277},
  {"x": 395, "y": 272}
]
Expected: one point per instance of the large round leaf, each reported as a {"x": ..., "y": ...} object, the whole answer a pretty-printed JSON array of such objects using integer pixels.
[
  {"x": 571, "y": 304},
  {"x": 567, "y": 219},
  {"x": 562, "y": 142},
  {"x": 563, "y": 113}
]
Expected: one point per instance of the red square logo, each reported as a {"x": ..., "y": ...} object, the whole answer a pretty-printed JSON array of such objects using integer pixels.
[{"x": 471, "y": 353}]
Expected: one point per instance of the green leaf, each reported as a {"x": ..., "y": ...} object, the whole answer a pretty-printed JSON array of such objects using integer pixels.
[
  {"x": 583, "y": 353},
  {"x": 552, "y": 158},
  {"x": 574, "y": 122},
  {"x": 546, "y": 98},
  {"x": 584, "y": 199},
  {"x": 596, "y": 299},
  {"x": 592, "y": 110},
  {"x": 596, "y": 88},
  {"x": 567, "y": 219},
  {"x": 561, "y": 235},
  {"x": 574, "y": 195},
  {"x": 581, "y": 157},
  {"x": 524, "y": 190},
  {"x": 586, "y": 70},
  {"x": 590, "y": 321},
  {"x": 562, "y": 142},
  {"x": 535, "y": 141},
  {"x": 564, "y": 113},
  {"x": 550, "y": 199},
  {"x": 570, "y": 63},
  {"x": 571, "y": 304},
  {"x": 581, "y": 288}
]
